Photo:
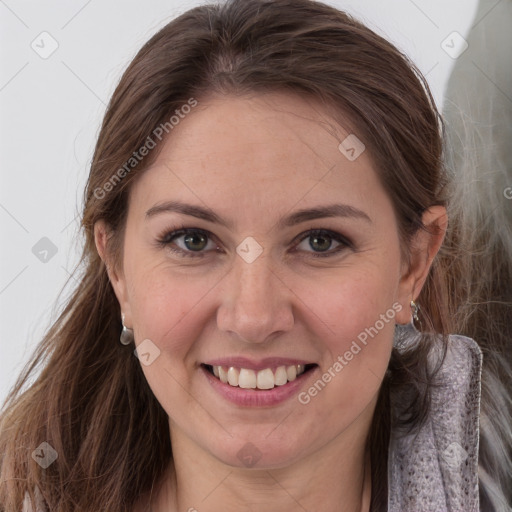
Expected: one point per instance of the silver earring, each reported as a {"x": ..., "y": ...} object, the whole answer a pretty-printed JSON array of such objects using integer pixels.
[
  {"x": 126, "y": 334},
  {"x": 415, "y": 309}
]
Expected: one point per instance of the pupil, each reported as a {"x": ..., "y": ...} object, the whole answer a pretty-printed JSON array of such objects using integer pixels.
[
  {"x": 323, "y": 244},
  {"x": 192, "y": 239}
]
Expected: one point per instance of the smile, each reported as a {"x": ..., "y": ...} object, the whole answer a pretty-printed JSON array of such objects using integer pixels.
[{"x": 263, "y": 379}]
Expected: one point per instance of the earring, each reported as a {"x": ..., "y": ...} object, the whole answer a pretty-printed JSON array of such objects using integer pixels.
[
  {"x": 415, "y": 309},
  {"x": 126, "y": 334}
]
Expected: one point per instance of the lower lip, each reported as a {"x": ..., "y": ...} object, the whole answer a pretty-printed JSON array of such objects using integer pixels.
[{"x": 254, "y": 397}]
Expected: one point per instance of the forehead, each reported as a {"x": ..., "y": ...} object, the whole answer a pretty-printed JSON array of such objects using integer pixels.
[
  {"x": 256, "y": 129},
  {"x": 266, "y": 153}
]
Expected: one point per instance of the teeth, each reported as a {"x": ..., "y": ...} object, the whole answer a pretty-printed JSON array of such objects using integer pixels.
[
  {"x": 263, "y": 379},
  {"x": 247, "y": 379},
  {"x": 280, "y": 378},
  {"x": 291, "y": 372},
  {"x": 233, "y": 376},
  {"x": 223, "y": 374}
]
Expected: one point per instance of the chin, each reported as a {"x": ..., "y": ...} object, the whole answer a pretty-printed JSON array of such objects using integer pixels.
[{"x": 254, "y": 451}]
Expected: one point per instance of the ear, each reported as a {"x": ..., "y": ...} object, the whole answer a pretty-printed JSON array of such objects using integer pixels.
[
  {"x": 424, "y": 247},
  {"x": 102, "y": 233}
]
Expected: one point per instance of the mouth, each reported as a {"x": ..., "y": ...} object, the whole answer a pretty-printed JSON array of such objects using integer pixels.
[{"x": 259, "y": 380}]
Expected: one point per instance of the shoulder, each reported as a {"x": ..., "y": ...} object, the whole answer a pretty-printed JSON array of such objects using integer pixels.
[{"x": 435, "y": 467}]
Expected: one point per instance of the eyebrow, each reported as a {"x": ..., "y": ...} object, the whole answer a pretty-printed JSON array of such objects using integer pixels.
[{"x": 332, "y": 210}]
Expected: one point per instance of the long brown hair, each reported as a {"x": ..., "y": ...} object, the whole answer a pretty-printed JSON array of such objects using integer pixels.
[{"x": 91, "y": 400}]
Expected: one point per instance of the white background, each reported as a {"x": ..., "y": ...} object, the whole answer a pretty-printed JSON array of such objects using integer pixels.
[{"x": 50, "y": 113}]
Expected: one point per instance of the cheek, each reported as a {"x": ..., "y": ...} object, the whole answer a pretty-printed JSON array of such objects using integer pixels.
[
  {"x": 338, "y": 306},
  {"x": 169, "y": 310},
  {"x": 167, "y": 306},
  {"x": 346, "y": 313},
  {"x": 359, "y": 311}
]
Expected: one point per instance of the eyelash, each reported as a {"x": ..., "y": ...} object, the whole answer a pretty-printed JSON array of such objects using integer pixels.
[{"x": 165, "y": 241}]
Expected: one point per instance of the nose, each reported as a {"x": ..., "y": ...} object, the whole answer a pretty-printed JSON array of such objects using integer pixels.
[{"x": 256, "y": 304}]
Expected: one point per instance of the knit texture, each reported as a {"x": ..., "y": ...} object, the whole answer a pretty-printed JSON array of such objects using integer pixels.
[{"x": 435, "y": 469}]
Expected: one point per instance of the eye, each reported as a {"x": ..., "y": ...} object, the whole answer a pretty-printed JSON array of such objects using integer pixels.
[
  {"x": 188, "y": 242},
  {"x": 321, "y": 240},
  {"x": 196, "y": 243}
]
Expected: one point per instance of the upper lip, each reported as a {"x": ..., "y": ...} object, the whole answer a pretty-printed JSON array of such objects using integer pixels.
[{"x": 252, "y": 364}]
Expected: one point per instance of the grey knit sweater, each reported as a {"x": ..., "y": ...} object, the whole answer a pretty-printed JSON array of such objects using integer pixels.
[{"x": 436, "y": 469}]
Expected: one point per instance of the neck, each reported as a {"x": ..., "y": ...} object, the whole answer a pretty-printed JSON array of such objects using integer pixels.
[{"x": 338, "y": 477}]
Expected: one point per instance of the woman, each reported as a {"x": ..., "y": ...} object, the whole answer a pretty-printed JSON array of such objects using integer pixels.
[{"x": 262, "y": 217}]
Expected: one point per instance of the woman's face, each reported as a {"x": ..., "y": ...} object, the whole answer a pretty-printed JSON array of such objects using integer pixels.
[{"x": 254, "y": 289}]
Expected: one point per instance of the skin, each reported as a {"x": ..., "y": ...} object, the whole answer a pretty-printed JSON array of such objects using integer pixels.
[{"x": 254, "y": 160}]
